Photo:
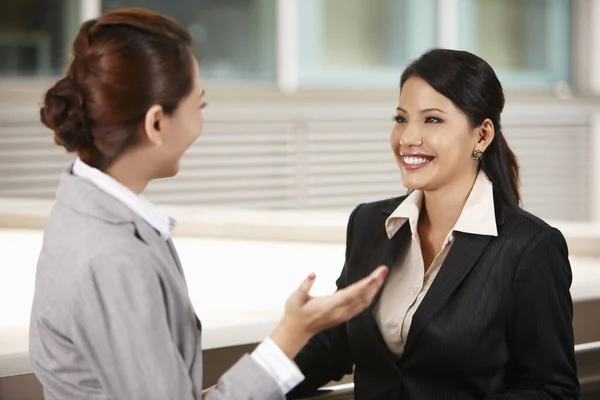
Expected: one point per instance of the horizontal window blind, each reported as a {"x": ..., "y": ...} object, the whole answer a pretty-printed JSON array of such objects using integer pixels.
[{"x": 311, "y": 156}]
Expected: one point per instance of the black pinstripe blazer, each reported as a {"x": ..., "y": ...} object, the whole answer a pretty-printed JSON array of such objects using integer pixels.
[{"x": 495, "y": 324}]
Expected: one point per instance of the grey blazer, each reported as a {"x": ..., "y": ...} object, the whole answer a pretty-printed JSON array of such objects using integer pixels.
[{"x": 111, "y": 316}]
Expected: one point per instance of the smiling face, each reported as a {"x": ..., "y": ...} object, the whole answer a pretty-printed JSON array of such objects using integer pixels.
[{"x": 432, "y": 139}]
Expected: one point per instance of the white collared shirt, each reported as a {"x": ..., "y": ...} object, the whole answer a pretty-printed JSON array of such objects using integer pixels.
[
  {"x": 136, "y": 203},
  {"x": 409, "y": 280},
  {"x": 268, "y": 355}
]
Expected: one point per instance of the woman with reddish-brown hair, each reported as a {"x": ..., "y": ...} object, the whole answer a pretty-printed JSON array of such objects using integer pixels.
[{"x": 111, "y": 317}]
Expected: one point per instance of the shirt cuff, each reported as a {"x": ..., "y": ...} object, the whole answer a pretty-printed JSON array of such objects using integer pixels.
[{"x": 283, "y": 370}]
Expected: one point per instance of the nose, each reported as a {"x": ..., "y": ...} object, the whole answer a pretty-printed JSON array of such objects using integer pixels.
[{"x": 410, "y": 137}]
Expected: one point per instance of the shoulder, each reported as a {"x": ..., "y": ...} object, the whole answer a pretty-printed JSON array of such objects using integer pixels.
[
  {"x": 76, "y": 247},
  {"x": 543, "y": 259},
  {"x": 540, "y": 249},
  {"x": 84, "y": 237},
  {"x": 527, "y": 227},
  {"x": 121, "y": 273}
]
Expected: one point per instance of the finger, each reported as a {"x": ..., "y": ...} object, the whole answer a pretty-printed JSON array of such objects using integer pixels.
[
  {"x": 361, "y": 293},
  {"x": 373, "y": 281},
  {"x": 305, "y": 286},
  {"x": 205, "y": 391},
  {"x": 355, "y": 298},
  {"x": 378, "y": 275}
]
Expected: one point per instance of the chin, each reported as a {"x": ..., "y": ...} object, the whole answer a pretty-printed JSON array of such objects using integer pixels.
[
  {"x": 413, "y": 186},
  {"x": 168, "y": 172},
  {"x": 173, "y": 173},
  {"x": 415, "y": 181}
]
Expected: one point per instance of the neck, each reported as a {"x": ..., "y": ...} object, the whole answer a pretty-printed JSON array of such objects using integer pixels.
[
  {"x": 126, "y": 170},
  {"x": 442, "y": 207}
]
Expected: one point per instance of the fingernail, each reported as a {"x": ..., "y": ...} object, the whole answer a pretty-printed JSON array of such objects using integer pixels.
[{"x": 312, "y": 276}]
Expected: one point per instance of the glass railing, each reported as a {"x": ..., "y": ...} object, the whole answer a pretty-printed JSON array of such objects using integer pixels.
[{"x": 588, "y": 369}]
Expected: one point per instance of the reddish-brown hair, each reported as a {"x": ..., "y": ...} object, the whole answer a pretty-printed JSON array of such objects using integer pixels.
[{"x": 123, "y": 63}]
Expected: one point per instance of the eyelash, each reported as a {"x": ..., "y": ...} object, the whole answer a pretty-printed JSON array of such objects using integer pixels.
[
  {"x": 433, "y": 120},
  {"x": 428, "y": 120},
  {"x": 203, "y": 105}
]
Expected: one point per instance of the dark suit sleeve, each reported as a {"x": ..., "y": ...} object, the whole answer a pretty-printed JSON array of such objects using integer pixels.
[
  {"x": 327, "y": 356},
  {"x": 541, "y": 339}
]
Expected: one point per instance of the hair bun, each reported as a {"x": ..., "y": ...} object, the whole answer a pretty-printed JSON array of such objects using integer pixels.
[{"x": 64, "y": 112}]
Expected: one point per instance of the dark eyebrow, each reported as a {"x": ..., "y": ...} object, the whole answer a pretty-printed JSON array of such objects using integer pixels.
[
  {"x": 422, "y": 111},
  {"x": 432, "y": 109},
  {"x": 202, "y": 94}
]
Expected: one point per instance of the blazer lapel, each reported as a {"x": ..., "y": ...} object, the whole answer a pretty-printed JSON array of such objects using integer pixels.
[
  {"x": 384, "y": 252},
  {"x": 175, "y": 257},
  {"x": 161, "y": 247},
  {"x": 465, "y": 251}
]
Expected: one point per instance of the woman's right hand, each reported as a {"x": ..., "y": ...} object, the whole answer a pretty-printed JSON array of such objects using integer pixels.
[{"x": 305, "y": 316}]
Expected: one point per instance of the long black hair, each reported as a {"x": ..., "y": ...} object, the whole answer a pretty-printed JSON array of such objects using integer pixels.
[{"x": 472, "y": 85}]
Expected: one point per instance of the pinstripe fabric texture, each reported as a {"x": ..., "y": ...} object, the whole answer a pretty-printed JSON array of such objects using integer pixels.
[{"x": 495, "y": 324}]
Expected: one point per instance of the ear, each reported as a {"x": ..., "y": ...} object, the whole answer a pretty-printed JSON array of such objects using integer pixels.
[
  {"x": 485, "y": 134},
  {"x": 153, "y": 124}
]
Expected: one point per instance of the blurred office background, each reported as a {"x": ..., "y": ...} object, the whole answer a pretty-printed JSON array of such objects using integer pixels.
[{"x": 301, "y": 95}]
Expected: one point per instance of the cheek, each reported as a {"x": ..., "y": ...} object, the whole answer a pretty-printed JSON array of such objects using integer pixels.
[
  {"x": 180, "y": 139},
  {"x": 191, "y": 129},
  {"x": 196, "y": 124},
  {"x": 395, "y": 138},
  {"x": 452, "y": 150}
]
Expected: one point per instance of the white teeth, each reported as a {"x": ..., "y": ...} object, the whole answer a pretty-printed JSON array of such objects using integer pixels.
[{"x": 415, "y": 160}]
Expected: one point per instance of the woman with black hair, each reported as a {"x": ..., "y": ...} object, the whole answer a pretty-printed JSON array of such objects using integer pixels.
[{"x": 477, "y": 302}]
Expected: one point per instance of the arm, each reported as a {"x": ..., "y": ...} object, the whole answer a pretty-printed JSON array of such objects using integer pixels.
[
  {"x": 121, "y": 327},
  {"x": 247, "y": 380},
  {"x": 327, "y": 356},
  {"x": 540, "y": 331}
]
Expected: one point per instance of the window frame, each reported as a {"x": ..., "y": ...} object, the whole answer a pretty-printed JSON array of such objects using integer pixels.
[
  {"x": 310, "y": 69},
  {"x": 583, "y": 38},
  {"x": 558, "y": 67}
]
